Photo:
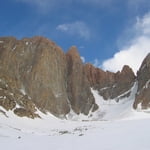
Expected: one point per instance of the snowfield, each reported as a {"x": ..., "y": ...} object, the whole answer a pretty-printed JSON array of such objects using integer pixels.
[{"x": 115, "y": 126}]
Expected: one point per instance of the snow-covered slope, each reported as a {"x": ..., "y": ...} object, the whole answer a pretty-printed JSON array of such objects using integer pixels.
[
  {"x": 115, "y": 126},
  {"x": 51, "y": 133},
  {"x": 112, "y": 109}
]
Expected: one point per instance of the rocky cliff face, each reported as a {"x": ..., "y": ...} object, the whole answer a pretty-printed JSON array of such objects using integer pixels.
[
  {"x": 143, "y": 78},
  {"x": 110, "y": 85},
  {"x": 78, "y": 87},
  {"x": 36, "y": 74}
]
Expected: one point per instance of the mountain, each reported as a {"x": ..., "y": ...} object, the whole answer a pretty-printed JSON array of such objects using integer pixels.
[
  {"x": 110, "y": 85},
  {"x": 142, "y": 99},
  {"x": 35, "y": 74}
]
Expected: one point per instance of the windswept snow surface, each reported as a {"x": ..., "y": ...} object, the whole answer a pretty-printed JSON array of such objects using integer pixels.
[{"x": 115, "y": 126}]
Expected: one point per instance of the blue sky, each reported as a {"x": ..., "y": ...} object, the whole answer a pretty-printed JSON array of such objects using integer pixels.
[{"x": 107, "y": 33}]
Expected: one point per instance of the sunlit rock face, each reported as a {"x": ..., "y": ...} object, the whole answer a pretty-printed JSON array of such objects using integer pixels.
[
  {"x": 52, "y": 81},
  {"x": 78, "y": 87},
  {"x": 35, "y": 74},
  {"x": 143, "y": 78}
]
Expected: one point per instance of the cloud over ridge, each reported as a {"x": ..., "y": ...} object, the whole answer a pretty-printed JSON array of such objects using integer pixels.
[{"x": 133, "y": 54}]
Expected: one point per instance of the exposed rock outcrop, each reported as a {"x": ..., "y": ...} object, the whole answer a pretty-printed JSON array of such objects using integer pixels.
[
  {"x": 22, "y": 112},
  {"x": 78, "y": 87},
  {"x": 110, "y": 85},
  {"x": 11, "y": 99},
  {"x": 48, "y": 78},
  {"x": 143, "y": 78}
]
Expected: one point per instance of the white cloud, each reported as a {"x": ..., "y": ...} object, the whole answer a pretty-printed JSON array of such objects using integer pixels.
[
  {"x": 77, "y": 28},
  {"x": 134, "y": 53},
  {"x": 83, "y": 59},
  {"x": 96, "y": 63}
]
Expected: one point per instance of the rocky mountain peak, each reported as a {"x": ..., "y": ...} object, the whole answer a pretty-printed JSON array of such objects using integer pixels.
[
  {"x": 110, "y": 85},
  {"x": 146, "y": 62},
  {"x": 39, "y": 40},
  {"x": 73, "y": 53},
  {"x": 82, "y": 102},
  {"x": 126, "y": 70},
  {"x": 49, "y": 79},
  {"x": 36, "y": 74},
  {"x": 143, "y": 78}
]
